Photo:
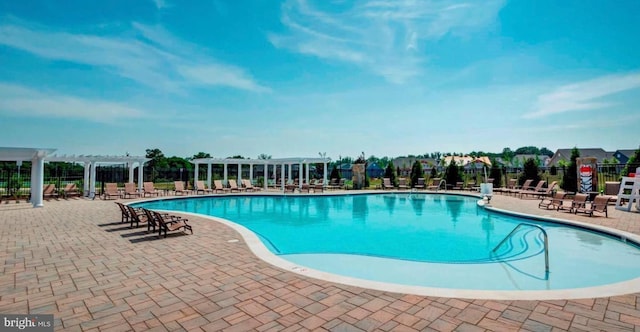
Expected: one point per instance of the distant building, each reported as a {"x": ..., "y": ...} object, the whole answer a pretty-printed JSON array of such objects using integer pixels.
[
  {"x": 405, "y": 164},
  {"x": 565, "y": 154},
  {"x": 374, "y": 171},
  {"x": 623, "y": 155}
]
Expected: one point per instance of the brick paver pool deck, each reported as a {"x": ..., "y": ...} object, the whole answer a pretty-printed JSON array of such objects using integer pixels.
[{"x": 74, "y": 259}]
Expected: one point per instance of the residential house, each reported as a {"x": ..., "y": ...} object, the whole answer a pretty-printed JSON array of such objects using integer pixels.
[{"x": 565, "y": 154}]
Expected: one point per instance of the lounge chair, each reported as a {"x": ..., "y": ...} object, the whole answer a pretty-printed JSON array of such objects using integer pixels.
[
  {"x": 248, "y": 186},
  {"x": 545, "y": 192},
  {"x": 111, "y": 190},
  {"x": 420, "y": 184},
  {"x": 201, "y": 187},
  {"x": 220, "y": 187},
  {"x": 536, "y": 189},
  {"x": 578, "y": 201},
  {"x": 435, "y": 184},
  {"x": 136, "y": 216},
  {"x": 553, "y": 202},
  {"x": 599, "y": 204},
  {"x": 525, "y": 186},
  {"x": 149, "y": 189},
  {"x": 70, "y": 189},
  {"x": 131, "y": 190},
  {"x": 233, "y": 185},
  {"x": 470, "y": 185},
  {"x": 458, "y": 186},
  {"x": 318, "y": 185},
  {"x": 386, "y": 184},
  {"x": 511, "y": 185},
  {"x": 402, "y": 184},
  {"x": 168, "y": 223},
  {"x": 49, "y": 191},
  {"x": 179, "y": 188},
  {"x": 126, "y": 215}
]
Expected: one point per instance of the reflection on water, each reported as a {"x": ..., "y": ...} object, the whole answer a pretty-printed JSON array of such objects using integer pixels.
[
  {"x": 454, "y": 207},
  {"x": 390, "y": 202},
  {"x": 417, "y": 202},
  {"x": 360, "y": 207}
]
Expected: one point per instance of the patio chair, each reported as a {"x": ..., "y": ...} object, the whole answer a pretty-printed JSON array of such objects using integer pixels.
[
  {"x": 126, "y": 215},
  {"x": 435, "y": 184},
  {"x": 386, "y": 184},
  {"x": 578, "y": 201},
  {"x": 233, "y": 185},
  {"x": 509, "y": 186},
  {"x": 318, "y": 185},
  {"x": 220, "y": 187},
  {"x": 131, "y": 190},
  {"x": 599, "y": 204},
  {"x": 149, "y": 189},
  {"x": 552, "y": 202},
  {"x": 111, "y": 190},
  {"x": 136, "y": 216},
  {"x": 470, "y": 185},
  {"x": 70, "y": 189},
  {"x": 402, "y": 183},
  {"x": 201, "y": 187},
  {"x": 248, "y": 186},
  {"x": 458, "y": 186},
  {"x": 179, "y": 188},
  {"x": 420, "y": 184},
  {"x": 536, "y": 189},
  {"x": 169, "y": 223},
  {"x": 545, "y": 192},
  {"x": 49, "y": 191},
  {"x": 525, "y": 186}
]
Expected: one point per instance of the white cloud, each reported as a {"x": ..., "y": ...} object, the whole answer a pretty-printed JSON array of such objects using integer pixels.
[
  {"x": 17, "y": 100},
  {"x": 217, "y": 74},
  {"x": 148, "y": 55},
  {"x": 584, "y": 95},
  {"x": 382, "y": 36}
]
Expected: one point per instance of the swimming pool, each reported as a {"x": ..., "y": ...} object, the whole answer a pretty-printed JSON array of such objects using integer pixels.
[{"x": 424, "y": 240}]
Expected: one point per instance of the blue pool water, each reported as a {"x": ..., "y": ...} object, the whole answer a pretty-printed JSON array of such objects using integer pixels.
[{"x": 429, "y": 240}]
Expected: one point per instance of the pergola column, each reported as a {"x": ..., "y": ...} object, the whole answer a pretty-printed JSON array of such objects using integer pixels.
[
  {"x": 37, "y": 179},
  {"x": 140, "y": 175},
  {"x": 275, "y": 172},
  {"x": 209, "y": 175},
  {"x": 306, "y": 171},
  {"x": 195, "y": 176},
  {"x": 92, "y": 185},
  {"x": 282, "y": 176},
  {"x": 266, "y": 176},
  {"x": 239, "y": 173},
  {"x": 130, "y": 180},
  {"x": 225, "y": 173},
  {"x": 85, "y": 183},
  {"x": 251, "y": 173},
  {"x": 324, "y": 175},
  {"x": 300, "y": 176},
  {"x": 290, "y": 169}
]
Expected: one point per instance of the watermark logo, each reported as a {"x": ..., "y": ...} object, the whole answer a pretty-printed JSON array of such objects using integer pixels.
[{"x": 31, "y": 323}]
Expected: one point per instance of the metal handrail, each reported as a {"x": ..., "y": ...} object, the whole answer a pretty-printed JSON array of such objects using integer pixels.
[
  {"x": 546, "y": 242},
  {"x": 441, "y": 182}
]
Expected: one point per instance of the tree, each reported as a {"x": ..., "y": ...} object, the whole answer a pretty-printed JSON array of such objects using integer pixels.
[
  {"x": 530, "y": 171},
  {"x": 416, "y": 172},
  {"x": 570, "y": 178},
  {"x": 334, "y": 173},
  {"x": 264, "y": 156},
  {"x": 632, "y": 164},
  {"x": 201, "y": 155},
  {"x": 434, "y": 172},
  {"x": 389, "y": 173},
  {"x": 453, "y": 173},
  {"x": 528, "y": 150},
  {"x": 546, "y": 152},
  {"x": 158, "y": 160}
]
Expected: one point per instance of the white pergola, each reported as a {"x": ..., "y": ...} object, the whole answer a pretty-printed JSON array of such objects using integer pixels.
[
  {"x": 282, "y": 162},
  {"x": 36, "y": 156},
  {"x": 91, "y": 162}
]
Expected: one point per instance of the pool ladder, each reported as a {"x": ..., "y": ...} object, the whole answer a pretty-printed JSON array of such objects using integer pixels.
[
  {"x": 442, "y": 182},
  {"x": 546, "y": 242}
]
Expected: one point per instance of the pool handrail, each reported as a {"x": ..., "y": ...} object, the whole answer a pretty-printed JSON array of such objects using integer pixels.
[{"x": 546, "y": 242}]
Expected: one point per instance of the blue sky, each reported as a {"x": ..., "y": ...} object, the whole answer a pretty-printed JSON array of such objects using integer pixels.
[{"x": 302, "y": 77}]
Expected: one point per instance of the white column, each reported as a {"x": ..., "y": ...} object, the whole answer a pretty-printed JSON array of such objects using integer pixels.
[
  {"x": 130, "y": 172},
  {"x": 92, "y": 181},
  {"x": 266, "y": 176},
  {"x": 209, "y": 175},
  {"x": 225, "y": 173},
  {"x": 239, "y": 173},
  {"x": 282, "y": 176},
  {"x": 140, "y": 175},
  {"x": 251, "y": 173},
  {"x": 85, "y": 186},
  {"x": 195, "y": 176},
  {"x": 300, "y": 176},
  {"x": 306, "y": 175},
  {"x": 290, "y": 168},
  {"x": 275, "y": 172},
  {"x": 37, "y": 180},
  {"x": 324, "y": 174}
]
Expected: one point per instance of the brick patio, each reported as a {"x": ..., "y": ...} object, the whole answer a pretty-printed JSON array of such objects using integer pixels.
[{"x": 75, "y": 260}]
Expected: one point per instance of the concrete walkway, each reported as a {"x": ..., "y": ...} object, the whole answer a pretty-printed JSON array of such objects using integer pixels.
[{"x": 75, "y": 260}]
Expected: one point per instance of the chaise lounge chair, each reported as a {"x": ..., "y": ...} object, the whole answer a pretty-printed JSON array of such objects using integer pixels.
[
  {"x": 131, "y": 190},
  {"x": 126, "y": 215},
  {"x": 111, "y": 190},
  {"x": 233, "y": 185},
  {"x": 599, "y": 204},
  {"x": 169, "y": 223},
  {"x": 179, "y": 188},
  {"x": 435, "y": 184},
  {"x": 578, "y": 201},
  {"x": 386, "y": 184},
  {"x": 70, "y": 189},
  {"x": 420, "y": 184},
  {"x": 553, "y": 202},
  {"x": 136, "y": 216},
  {"x": 402, "y": 184},
  {"x": 248, "y": 186},
  {"x": 149, "y": 189},
  {"x": 201, "y": 187},
  {"x": 220, "y": 186},
  {"x": 49, "y": 191}
]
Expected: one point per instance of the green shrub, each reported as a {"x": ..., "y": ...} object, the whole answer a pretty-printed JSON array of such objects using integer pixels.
[
  {"x": 530, "y": 171},
  {"x": 416, "y": 172},
  {"x": 570, "y": 178}
]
